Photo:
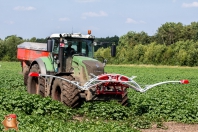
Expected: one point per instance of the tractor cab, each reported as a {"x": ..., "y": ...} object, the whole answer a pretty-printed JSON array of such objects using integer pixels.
[
  {"x": 68, "y": 48},
  {"x": 81, "y": 46}
]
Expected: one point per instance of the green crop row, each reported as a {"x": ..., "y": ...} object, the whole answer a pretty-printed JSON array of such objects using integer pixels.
[{"x": 168, "y": 102}]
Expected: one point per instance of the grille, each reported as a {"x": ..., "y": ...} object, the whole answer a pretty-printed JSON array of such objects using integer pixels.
[{"x": 94, "y": 67}]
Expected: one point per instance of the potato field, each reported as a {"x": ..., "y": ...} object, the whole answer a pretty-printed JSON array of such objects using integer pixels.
[{"x": 164, "y": 103}]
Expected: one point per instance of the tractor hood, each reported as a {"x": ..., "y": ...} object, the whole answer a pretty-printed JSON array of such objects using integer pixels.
[{"x": 90, "y": 65}]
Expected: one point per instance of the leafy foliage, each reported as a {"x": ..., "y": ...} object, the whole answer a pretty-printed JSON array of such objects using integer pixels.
[
  {"x": 182, "y": 53},
  {"x": 35, "y": 113},
  {"x": 173, "y": 44},
  {"x": 163, "y": 103},
  {"x": 111, "y": 110}
]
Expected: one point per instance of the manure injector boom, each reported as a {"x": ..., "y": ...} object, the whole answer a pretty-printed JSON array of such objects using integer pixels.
[{"x": 66, "y": 70}]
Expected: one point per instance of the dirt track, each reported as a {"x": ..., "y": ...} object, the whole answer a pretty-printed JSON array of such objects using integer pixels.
[{"x": 174, "y": 127}]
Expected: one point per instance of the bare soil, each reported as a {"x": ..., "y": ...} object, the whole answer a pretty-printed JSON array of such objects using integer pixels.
[
  {"x": 166, "y": 127},
  {"x": 173, "y": 127}
]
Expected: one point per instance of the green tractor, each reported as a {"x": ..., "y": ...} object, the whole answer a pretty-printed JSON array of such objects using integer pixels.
[
  {"x": 74, "y": 64},
  {"x": 65, "y": 69}
]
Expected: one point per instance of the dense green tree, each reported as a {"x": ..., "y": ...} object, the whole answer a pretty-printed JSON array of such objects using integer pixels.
[
  {"x": 137, "y": 54},
  {"x": 132, "y": 38},
  {"x": 2, "y": 49},
  {"x": 168, "y": 56},
  {"x": 33, "y": 39},
  {"x": 154, "y": 53},
  {"x": 191, "y": 31},
  {"x": 169, "y": 33},
  {"x": 10, "y": 47}
]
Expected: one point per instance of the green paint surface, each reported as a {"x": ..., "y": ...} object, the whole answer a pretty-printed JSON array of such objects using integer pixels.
[
  {"x": 78, "y": 64},
  {"x": 48, "y": 63}
]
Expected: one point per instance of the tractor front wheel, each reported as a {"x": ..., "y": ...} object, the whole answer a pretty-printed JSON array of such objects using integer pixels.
[
  {"x": 65, "y": 92},
  {"x": 56, "y": 90},
  {"x": 35, "y": 85}
]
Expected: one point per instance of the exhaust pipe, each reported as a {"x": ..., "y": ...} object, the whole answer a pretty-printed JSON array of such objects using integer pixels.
[{"x": 60, "y": 54}]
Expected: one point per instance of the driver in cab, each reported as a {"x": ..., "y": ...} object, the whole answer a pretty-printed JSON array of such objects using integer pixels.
[{"x": 69, "y": 50}]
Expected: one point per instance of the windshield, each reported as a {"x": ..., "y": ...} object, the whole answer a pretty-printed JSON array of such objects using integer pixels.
[{"x": 81, "y": 46}]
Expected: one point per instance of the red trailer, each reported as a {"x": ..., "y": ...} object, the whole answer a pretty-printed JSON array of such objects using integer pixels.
[{"x": 28, "y": 52}]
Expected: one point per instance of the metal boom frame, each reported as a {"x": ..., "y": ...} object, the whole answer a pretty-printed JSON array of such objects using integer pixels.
[{"x": 118, "y": 79}]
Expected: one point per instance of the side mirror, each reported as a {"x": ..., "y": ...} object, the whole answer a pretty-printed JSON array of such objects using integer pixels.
[
  {"x": 113, "y": 50},
  {"x": 49, "y": 45},
  {"x": 95, "y": 44},
  {"x": 104, "y": 62}
]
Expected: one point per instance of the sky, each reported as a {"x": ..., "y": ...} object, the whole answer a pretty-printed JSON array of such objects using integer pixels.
[{"x": 105, "y": 18}]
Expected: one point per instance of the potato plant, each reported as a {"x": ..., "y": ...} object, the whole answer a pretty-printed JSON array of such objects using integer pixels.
[{"x": 170, "y": 102}]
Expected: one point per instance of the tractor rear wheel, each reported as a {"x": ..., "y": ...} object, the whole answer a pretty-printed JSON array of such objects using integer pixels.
[
  {"x": 66, "y": 92},
  {"x": 36, "y": 85},
  {"x": 56, "y": 90}
]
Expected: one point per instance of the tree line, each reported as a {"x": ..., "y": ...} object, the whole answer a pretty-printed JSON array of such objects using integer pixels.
[
  {"x": 172, "y": 44},
  {"x": 8, "y": 46}
]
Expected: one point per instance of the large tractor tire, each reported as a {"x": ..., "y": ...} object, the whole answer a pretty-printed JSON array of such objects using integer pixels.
[
  {"x": 42, "y": 91},
  {"x": 65, "y": 92},
  {"x": 36, "y": 85}
]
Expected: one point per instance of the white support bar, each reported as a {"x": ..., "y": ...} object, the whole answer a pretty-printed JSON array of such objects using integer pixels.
[{"x": 96, "y": 81}]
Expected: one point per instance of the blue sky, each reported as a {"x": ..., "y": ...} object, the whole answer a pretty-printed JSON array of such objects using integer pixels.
[{"x": 40, "y": 18}]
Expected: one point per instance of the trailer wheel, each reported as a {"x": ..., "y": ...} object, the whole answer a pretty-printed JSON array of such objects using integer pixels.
[
  {"x": 66, "y": 92},
  {"x": 25, "y": 74},
  {"x": 36, "y": 85}
]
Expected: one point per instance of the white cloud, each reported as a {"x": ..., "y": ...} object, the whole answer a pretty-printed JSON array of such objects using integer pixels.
[
  {"x": 22, "y": 8},
  {"x": 9, "y": 22},
  {"x": 193, "y": 4},
  {"x": 94, "y": 14},
  {"x": 64, "y": 19},
  {"x": 86, "y": 1},
  {"x": 130, "y": 20}
]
